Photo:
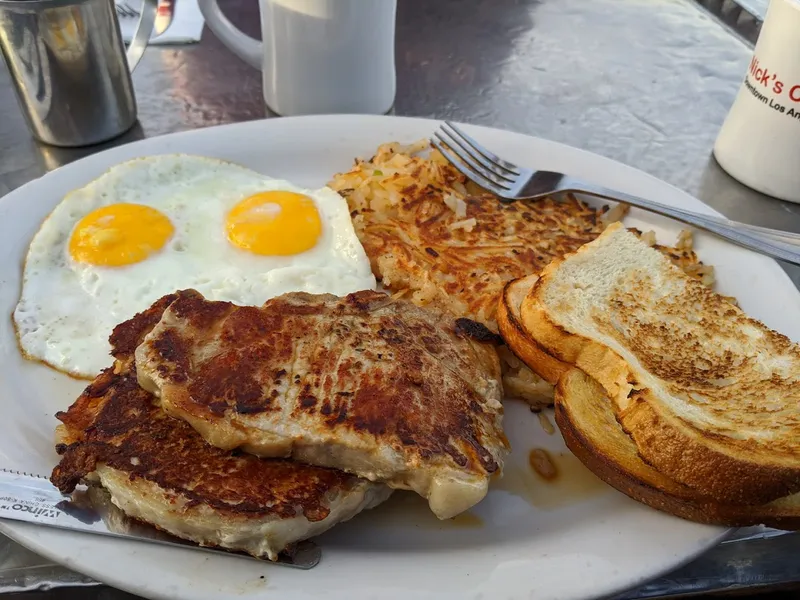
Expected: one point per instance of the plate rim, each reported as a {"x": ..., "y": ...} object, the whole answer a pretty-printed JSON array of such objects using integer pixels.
[{"x": 18, "y": 533}]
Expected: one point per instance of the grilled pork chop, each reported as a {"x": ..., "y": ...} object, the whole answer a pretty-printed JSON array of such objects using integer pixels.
[
  {"x": 159, "y": 470},
  {"x": 367, "y": 384}
]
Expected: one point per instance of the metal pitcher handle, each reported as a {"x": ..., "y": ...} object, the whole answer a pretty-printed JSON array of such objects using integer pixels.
[{"x": 144, "y": 29}]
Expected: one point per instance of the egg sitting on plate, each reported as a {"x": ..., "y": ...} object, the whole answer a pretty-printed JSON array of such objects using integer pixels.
[{"x": 154, "y": 225}]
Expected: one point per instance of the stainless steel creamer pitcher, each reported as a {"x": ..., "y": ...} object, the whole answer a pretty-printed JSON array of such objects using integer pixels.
[{"x": 70, "y": 70}]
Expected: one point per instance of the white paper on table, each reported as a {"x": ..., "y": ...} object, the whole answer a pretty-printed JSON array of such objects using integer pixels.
[{"x": 185, "y": 28}]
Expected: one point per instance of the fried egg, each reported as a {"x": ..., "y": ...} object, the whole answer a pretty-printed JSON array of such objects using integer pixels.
[{"x": 154, "y": 225}]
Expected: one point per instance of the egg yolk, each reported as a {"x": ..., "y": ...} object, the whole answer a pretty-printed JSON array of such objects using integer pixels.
[
  {"x": 119, "y": 234},
  {"x": 274, "y": 223}
]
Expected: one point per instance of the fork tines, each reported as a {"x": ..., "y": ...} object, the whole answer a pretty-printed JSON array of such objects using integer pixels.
[
  {"x": 126, "y": 10},
  {"x": 476, "y": 162}
]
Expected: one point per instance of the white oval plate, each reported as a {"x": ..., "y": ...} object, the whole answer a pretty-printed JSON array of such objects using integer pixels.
[{"x": 528, "y": 539}]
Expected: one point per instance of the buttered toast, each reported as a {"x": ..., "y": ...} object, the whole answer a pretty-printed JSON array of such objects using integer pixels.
[
  {"x": 709, "y": 395},
  {"x": 587, "y": 422}
]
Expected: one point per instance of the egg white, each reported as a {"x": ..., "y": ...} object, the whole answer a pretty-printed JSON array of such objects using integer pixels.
[{"x": 68, "y": 309}]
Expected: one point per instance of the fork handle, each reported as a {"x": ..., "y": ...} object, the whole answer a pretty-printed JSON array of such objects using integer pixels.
[
  {"x": 609, "y": 194},
  {"x": 777, "y": 244}
]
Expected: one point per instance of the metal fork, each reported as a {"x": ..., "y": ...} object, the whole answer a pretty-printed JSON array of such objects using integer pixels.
[
  {"x": 511, "y": 182},
  {"x": 126, "y": 10}
]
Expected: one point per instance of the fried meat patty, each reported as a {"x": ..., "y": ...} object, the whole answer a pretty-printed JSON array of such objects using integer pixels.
[
  {"x": 373, "y": 386},
  {"x": 160, "y": 471}
]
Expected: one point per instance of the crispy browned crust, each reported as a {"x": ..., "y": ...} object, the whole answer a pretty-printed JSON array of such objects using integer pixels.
[
  {"x": 699, "y": 464},
  {"x": 585, "y": 417},
  {"x": 115, "y": 423},
  {"x": 415, "y": 380},
  {"x": 525, "y": 347}
]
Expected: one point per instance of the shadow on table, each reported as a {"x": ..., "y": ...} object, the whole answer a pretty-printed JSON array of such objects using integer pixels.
[{"x": 456, "y": 45}]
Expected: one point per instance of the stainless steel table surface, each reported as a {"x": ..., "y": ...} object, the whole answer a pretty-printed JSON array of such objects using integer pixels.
[{"x": 645, "y": 82}]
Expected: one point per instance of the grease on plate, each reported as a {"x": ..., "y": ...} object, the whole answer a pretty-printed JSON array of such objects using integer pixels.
[
  {"x": 546, "y": 423},
  {"x": 550, "y": 480}
]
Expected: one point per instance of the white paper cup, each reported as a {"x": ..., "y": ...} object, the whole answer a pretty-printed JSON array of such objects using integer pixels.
[{"x": 759, "y": 143}]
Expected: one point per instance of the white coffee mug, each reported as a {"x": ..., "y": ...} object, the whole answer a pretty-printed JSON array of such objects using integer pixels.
[
  {"x": 318, "y": 56},
  {"x": 759, "y": 143}
]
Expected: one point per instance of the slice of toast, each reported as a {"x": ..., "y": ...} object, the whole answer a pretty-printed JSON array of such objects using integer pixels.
[
  {"x": 717, "y": 406},
  {"x": 586, "y": 419},
  {"x": 531, "y": 353},
  {"x": 527, "y": 349},
  {"x": 585, "y": 416}
]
